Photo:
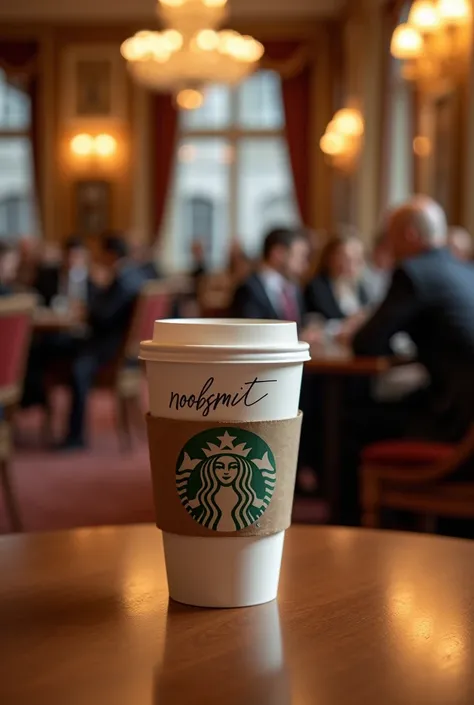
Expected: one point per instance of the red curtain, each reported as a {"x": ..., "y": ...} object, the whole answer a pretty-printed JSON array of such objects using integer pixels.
[
  {"x": 296, "y": 100},
  {"x": 165, "y": 122}
]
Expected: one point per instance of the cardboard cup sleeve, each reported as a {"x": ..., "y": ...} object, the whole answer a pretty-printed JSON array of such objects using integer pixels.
[{"x": 224, "y": 479}]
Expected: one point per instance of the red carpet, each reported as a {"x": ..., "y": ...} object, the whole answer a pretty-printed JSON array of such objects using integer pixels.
[{"x": 102, "y": 486}]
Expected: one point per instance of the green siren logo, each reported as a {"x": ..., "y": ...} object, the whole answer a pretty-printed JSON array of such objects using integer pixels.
[{"x": 225, "y": 478}]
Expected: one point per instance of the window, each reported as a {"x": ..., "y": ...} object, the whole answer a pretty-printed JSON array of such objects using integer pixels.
[
  {"x": 232, "y": 175},
  {"x": 17, "y": 212}
]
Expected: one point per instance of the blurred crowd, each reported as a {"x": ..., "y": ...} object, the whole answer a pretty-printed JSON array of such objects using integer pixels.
[{"x": 417, "y": 279}]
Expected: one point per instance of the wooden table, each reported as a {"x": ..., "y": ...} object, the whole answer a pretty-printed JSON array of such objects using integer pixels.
[
  {"x": 343, "y": 363},
  {"x": 335, "y": 366},
  {"x": 363, "y": 618},
  {"x": 45, "y": 320}
]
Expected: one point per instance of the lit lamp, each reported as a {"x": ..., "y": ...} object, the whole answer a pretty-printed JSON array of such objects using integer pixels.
[
  {"x": 456, "y": 17},
  {"x": 191, "y": 51},
  {"x": 424, "y": 16},
  {"x": 189, "y": 99},
  {"x": 333, "y": 144},
  {"x": 407, "y": 46},
  {"x": 348, "y": 121},
  {"x": 455, "y": 13},
  {"x": 105, "y": 145},
  {"x": 434, "y": 44},
  {"x": 342, "y": 140},
  {"x": 84, "y": 145}
]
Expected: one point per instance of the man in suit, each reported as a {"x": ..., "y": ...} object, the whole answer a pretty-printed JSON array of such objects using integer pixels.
[
  {"x": 69, "y": 278},
  {"x": 117, "y": 285},
  {"x": 431, "y": 298},
  {"x": 273, "y": 292}
]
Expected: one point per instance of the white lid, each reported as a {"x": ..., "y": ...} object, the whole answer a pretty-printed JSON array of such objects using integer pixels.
[{"x": 224, "y": 340}]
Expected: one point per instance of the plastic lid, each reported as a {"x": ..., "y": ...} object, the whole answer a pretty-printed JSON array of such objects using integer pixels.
[{"x": 224, "y": 340}]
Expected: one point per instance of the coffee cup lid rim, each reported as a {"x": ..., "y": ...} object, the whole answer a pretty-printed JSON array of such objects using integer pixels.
[{"x": 154, "y": 352}]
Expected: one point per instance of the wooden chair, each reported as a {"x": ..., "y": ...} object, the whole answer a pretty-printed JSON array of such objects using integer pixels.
[
  {"x": 16, "y": 313},
  {"x": 124, "y": 377},
  {"x": 413, "y": 476}
]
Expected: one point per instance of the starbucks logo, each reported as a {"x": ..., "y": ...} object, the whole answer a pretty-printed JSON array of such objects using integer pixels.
[{"x": 225, "y": 478}]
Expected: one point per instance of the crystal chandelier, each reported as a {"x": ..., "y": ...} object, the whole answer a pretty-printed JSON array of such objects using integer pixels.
[
  {"x": 434, "y": 44},
  {"x": 190, "y": 53}
]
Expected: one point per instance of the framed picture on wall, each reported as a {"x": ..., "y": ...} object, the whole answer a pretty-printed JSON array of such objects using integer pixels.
[
  {"x": 92, "y": 207},
  {"x": 94, "y": 89},
  {"x": 93, "y": 83}
]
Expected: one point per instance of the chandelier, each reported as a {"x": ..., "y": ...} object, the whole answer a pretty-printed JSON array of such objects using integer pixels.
[
  {"x": 190, "y": 53},
  {"x": 342, "y": 142},
  {"x": 434, "y": 44}
]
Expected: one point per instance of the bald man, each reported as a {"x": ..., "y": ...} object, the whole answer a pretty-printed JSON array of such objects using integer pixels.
[{"x": 431, "y": 298}]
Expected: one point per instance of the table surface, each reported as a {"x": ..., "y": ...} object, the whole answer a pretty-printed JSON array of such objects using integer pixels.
[
  {"x": 340, "y": 361},
  {"x": 363, "y": 618},
  {"x": 46, "y": 319}
]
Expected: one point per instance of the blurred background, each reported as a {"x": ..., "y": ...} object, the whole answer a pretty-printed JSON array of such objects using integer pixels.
[
  {"x": 159, "y": 143},
  {"x": 251, "y": 155}
]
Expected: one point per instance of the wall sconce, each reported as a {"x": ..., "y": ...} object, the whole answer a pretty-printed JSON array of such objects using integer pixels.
[
  {"x": 422, "y": 146},
  {"x": 434, "y": 44},
  {"x": 343, "y": 139},
  {"x": 102, "y": 146}
]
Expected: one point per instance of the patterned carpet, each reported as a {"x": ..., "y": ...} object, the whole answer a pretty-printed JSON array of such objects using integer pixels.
[{"x": 103, "y": 486}]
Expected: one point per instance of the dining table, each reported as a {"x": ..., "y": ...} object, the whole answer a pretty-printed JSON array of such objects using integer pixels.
[
  {"x": 362, "y": 618},
  {"x": 47, "y": 320},
  {"x": 334, "y": 365}
]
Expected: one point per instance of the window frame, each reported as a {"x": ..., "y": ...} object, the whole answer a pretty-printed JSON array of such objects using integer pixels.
[
  {"x": 23, "y": 134},
  {"x": 232, "y": 135}
]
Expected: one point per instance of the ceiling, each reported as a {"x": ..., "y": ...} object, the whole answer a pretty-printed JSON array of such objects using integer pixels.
[{"x": 117, "y": 10}]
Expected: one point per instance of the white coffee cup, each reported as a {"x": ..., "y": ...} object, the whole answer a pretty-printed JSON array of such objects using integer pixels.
[{"x": 261, "y": 362}]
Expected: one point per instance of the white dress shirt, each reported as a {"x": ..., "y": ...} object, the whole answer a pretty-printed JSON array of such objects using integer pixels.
[
  {"x": 347, "y": 297},
  {"x": 275, "y": 285}
]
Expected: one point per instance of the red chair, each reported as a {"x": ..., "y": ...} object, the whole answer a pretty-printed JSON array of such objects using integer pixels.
[
  {"x": 123, "y": 377},
  {"x": 413, "y": 476},
  {"x": 16, "y": 313}
]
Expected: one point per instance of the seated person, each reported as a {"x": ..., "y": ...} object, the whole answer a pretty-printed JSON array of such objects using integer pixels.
[
  {"x": 9, "y": 259},
  {"x": 378, "y": 272},
  {"x": 273, "y": 291},
  {"x": 142, "y": 255},
  {"x": 431, "y": 298},
  {"x": 107, "y": 316},
  {"x": 337, "y": 292},
  {"x": 240, "y": 265},
  {"x": 64, "y": 278}
]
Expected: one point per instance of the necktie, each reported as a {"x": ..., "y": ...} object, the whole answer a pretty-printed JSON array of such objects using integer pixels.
[{"x": 289, "y": 306}]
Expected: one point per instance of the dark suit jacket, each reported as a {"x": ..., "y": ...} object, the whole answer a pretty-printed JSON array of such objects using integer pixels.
[
  {"x": 111, "y": 310},
  {"x": 47, "y": 282},
  {"x": 252, "y": 301},
  {"x": 320, "y": 298},
  {"x": 150, "y": 270},
  {"x": 432, "y": 299}
]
